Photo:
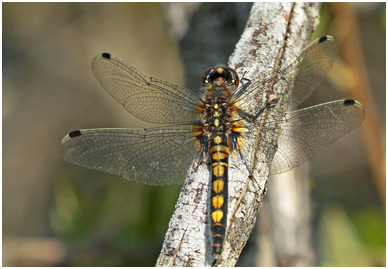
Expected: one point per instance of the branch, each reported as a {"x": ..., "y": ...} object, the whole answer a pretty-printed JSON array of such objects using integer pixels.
[{"x": 275, "y": 32}]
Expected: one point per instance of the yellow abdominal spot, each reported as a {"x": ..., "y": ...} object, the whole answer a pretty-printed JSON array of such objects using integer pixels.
[
  {"x": 217, "y": 215},
  {"x": 218, "y": 170},
  {"x": 219, "y": 148},
  {"x": 218, "y": 186},
  {"x": 216, "y": 122},
  {"x": 219, "y": 156},
  {"x": 217, "y": 139},
  {"x": 219, "y": 163},
  {"x": 217, "y": 201}
]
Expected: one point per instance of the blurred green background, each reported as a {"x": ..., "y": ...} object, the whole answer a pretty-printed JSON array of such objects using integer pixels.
[{"x": 55, "y": 213}]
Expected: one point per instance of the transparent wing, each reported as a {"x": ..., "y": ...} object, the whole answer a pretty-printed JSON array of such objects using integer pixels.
[
  {"x": 308, "y": 130},
  {"x": 148, "y": 98},
  {"x": 314, "y": 63},
  {"x": 155, "y": 156},
  {"x": 309, "y": 67}
]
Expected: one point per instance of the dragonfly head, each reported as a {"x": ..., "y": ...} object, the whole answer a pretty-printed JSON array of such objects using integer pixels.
[{"x": 220, "y": 76}]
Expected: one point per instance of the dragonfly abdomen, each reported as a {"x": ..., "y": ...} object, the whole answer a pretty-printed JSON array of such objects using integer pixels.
[{"x": 219, "y": 155}]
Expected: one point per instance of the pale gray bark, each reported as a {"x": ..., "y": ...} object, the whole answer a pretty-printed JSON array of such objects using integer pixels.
[{"x": 275, "y": 32}]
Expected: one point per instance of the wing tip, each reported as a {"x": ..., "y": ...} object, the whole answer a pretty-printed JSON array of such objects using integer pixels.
[
  {"x": 106, "y": 55},
  {"x": 325, "y": 38},
  {"x": 75, "y": 133},
  {"x": 349, "y": 102},
  {"x": 322, "y": 38},
  {"x": 352, "y": 102}
]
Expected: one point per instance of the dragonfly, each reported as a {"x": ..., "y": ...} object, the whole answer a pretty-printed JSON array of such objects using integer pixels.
[{"x": 211, "y": 125}]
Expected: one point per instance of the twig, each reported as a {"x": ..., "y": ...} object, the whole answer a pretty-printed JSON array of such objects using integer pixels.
[{"x": 274, "y": 33}]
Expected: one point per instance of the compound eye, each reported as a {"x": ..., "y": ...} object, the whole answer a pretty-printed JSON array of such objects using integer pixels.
[
  {"x": 235, "y": 80},
  {"x": 206, "y": 75}
]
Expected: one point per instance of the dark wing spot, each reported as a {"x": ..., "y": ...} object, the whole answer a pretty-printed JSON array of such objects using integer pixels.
[
  {"x": 106, "y": 55},
  {"x": 322, "y": 39},
  {"x": 349, "y": 102},
  {"x": 75, "y": 133}
]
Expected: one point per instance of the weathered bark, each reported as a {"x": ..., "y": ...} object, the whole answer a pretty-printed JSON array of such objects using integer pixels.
[{"x": 275, "y": 32}]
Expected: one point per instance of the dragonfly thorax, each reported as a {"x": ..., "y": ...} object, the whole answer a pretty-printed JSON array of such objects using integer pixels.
[{"x": 217, "y": 115}]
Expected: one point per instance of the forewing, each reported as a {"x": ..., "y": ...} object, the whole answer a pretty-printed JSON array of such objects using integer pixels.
[
  {"x": 155, "y": 156},
  {"x": 308, "y": 69},
  {"x": 308, "y": 130},
  {"x": 312, "y": 66},
  {"x": 148, "y": 98}
]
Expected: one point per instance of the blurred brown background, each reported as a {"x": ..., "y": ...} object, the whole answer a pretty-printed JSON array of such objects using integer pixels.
[{"x": 55, "y": 213}]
